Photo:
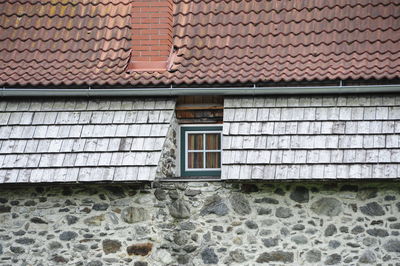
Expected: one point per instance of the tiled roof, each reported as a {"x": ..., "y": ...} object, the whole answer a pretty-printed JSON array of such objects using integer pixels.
[
  {"x": 330, "y": 137},
  {"x": 87, "y": 42},
  {"x": 82, "y": 140}
]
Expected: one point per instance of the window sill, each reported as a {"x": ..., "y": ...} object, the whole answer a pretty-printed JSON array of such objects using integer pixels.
[{"x": 190, "y": 178}]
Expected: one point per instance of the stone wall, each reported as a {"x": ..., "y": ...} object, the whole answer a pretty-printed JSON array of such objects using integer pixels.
[
  {"x": 167, "y": 163},
  {"x": 200, "y": 223}
]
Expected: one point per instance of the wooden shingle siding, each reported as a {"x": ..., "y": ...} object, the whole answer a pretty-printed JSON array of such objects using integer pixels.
[
  {"x": 314, "y": 137},
  {"x": 82, "y": 140}
]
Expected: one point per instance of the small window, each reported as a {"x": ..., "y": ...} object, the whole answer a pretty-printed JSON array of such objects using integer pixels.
[{"x": 201, "y": 150}]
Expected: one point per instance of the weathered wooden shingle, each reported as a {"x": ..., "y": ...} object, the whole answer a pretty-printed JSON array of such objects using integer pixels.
[
  {"x": 311, "y": 137},
  {"x": 82, "y": 140}
]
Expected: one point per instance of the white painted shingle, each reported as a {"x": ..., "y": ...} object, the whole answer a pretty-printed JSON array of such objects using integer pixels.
[{"x": 336, "y": 149}]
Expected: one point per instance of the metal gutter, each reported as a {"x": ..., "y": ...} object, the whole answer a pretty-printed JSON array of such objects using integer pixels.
[{"x": 38, "y": 92}]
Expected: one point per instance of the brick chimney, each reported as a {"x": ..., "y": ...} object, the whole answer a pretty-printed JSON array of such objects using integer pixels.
[{"x": 151, "y": 34}]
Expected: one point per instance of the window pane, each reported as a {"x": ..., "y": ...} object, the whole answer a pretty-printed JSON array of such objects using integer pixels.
[
  {"x": 195, "y": 160},
  {"x": 213, "y": 141},
  {"x": 195, "y": 141},
  {"x": 213, "y": 160}
]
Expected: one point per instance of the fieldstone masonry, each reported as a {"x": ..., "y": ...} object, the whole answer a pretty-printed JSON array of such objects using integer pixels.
[{"x": 201, "y": 223}]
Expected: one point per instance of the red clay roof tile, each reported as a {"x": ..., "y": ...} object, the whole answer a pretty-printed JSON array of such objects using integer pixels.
[{"x": 86, "y": 42}]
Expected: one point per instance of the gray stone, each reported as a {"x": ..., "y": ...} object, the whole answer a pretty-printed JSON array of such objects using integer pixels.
[
  {"x": 330, "y": 230},
  {"x": 179, "y": 209},
  {"x": 368, "y": 257},
  {"x": 249, "y": 188},
  {"x": 264, "y": 211},
  {"x": 237, "y": 256},
  {"x": 100, "y": 206},
  {"x": 30, "y": 203},
  {"x": 173, "y": 194},
  {"x": 94, "y": 220},
  {"x": 19, "y": 233},
  {"x": 25, "y": 241},
  {"x": 283, "y": 212},
  {"x": 5, "y": 209},
  {"x": 187, "y": 226},
  {"x": 279, "y": 191},
  {"x": 142, "y": 230},
  {"x": 367, "y": 193},
  {"x": 183, "y": 259},
  {"x": 140, "y": 263},
  {"x": 267, "y": 201},
  {"x": 113, "y": 217},
  {"x": 298, "y": 227},
  {"x": 240, "y": 204},
  {"x": 275, "y": 256},
  {"x": 353, "y": 245},
  {"x": 251, "y": 224},
  {"x": 377, "y": 232},
  {"x": 393, "y": 245},
  {"x": 111, "y": 246},
  {"x": 1, "y": 249},
  {"x": 300, "y": 194},
  {"x": 218, "y": 228},
  {"x": 299, "y": 239},
  {"x": 132, "y": 215},
  {"x": 207, "y": 236},
  {"x": 180, "y": 238},
  {"x": 369, "y": 241},
  {"x": 390, "y": 198},
  {"x": 334, "y": 244},
  {"x": 17, "y": 250},
  {"x": 395, "y": 226},
  {"x": 357, "y": 230},
  {"x": 208, "y": 256},
  {"x": 270, "y": 242},
  {"x": 59, "y": 259},
  {"x": 37, "y": 220},
  {"x": 80, "y": 247},
  {"x": 55, "y": 245},
  {"x": 327, "y": 206},
  {"x": 160, "y": 194},
  {"x": 333, "y": 259},
  {"x": 372, "y": 209},
  {"x": 71, "y": 219},
  {"x": 189, "y": 248},
  {"x": 284, "y": 231},
  {"x": 68, "y": 236},
  {"x": 265, "y": 232},
  {"x": 214, "y": 205},
  {"x": 313, "y": 256},
  {"x": 192, "y": 192},
  {"x": 95, "y": 263}
]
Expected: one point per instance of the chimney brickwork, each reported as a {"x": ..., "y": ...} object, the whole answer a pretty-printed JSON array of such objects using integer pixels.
[{"x": 151, "y": 34}]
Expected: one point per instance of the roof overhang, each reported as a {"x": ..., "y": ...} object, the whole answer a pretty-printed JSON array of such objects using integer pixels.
[{"x": 41, "y": 92}]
